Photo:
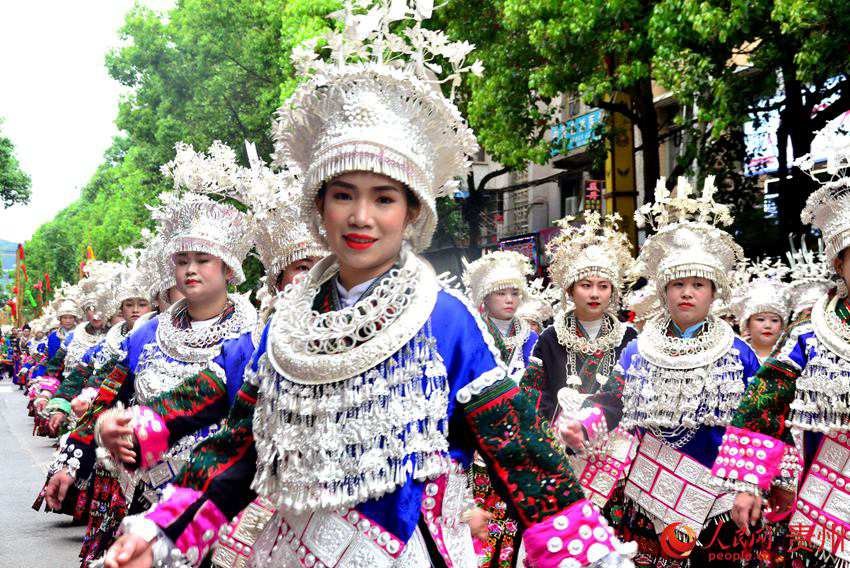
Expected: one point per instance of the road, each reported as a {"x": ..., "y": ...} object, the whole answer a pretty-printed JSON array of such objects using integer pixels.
[{"x": 30, "y": 539}]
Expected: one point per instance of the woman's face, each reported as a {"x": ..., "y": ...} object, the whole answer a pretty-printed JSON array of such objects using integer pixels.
[
  {"x": 502, "y": 304},
  {"x": 764, "y": 328},
  {"x": 201, "y": 277},
  {"x": 689, "y": 300},
  {"x": 591, "y": 296},
  {"x": 67, "y": 321},
  {"x": 39, "y": 335},
  {"x": 133, "y": 308},
  {"x": 95, "y": 319},
  {"x": 294, "y": 271},
  {"x": 364, "y": 215}
]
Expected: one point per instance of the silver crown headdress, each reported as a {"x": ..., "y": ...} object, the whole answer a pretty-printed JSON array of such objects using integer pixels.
[
  {"x": 96, "y": 287},
  {"x": 688, "y": 241},
  {"x": 593, "y": 248},
  {"x": 280, "y": 234},
  {"x": 376, "y": 105},
  {"x": 762, "y": 291},
  {"x": 197, "y": 223},
  {"x": 644, "y": 302},
  {"x": 66, "y": 301},
  {"x": 539, "y": 305},
  {"x": 828, "y": 207},
  {"x": 496, "y": 271},
  {"x": 811, "y": 276},
  {"x": 153, "y": 260},
  {"x": 130, "y": 281}
]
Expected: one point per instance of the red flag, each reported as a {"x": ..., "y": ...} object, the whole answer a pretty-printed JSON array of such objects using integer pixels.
[
  {"x": 21, "y": 251},
  {"x": 24, "y": 269},
  {"x": 39, "y": 286},
  {"x": 15, "y": 290},
  {"x": 47, "y": 281}
]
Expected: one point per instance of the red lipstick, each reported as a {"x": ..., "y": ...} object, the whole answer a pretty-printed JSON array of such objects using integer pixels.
[{"x": 357, "y": 241}]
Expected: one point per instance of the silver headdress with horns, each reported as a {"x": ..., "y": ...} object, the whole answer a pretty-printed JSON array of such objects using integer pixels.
[
  {"x": 593, "y": 248},
  {"x": 828, "y": 208},
  {"x": 197, "y": 223},
  {"x": 376, "y": 105},
  {"x": 811, "y": 276},
  {"x": 496, "y": 271},
  {"x": 153, "y": 261},
  {"x": 280, "y": 234},
  {"x": 688, "y": 241},
  {"x": 97, "y": 287},
  {"x": 762, "y": 291}
]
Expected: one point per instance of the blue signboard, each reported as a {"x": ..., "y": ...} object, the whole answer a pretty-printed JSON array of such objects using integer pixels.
[{"x": 576, "y": 132}]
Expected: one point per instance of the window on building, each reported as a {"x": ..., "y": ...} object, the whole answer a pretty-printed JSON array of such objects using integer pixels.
[{"x": 570, "y": 186}]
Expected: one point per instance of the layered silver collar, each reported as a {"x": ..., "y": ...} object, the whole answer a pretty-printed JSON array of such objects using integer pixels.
[
  {"x": 833, "y": 333},
  {"x": 610, "y": 334},
  {"x": 309, "y": 347},
  {"x": 669, "y": 352},
  {"x": 197, "y": 345}
]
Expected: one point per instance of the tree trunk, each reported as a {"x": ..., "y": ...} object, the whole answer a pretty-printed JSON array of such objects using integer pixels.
[
  {"x": 795, "y": 125},
  {"x": 647, "y": 124}
]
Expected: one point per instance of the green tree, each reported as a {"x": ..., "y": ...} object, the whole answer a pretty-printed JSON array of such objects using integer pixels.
[
  {"x": 14, "y": 182},
  {"x": 737, "y": 60},
  {"x": 210, "y": 70}
]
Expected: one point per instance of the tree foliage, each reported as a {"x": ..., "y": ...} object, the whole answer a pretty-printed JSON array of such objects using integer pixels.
[
  {"x": 217, "y": 69},
  {"x": 210, "y": 70},
  {"x": 14, "y": 182}
]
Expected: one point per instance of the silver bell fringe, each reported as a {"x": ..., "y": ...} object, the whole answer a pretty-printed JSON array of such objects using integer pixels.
[
  {"x": 674, "y": 403},
  {"x": 339, "y": 444}
]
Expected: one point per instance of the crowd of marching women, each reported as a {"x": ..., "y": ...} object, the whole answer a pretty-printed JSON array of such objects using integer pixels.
[{"x": 682, "y": 406}]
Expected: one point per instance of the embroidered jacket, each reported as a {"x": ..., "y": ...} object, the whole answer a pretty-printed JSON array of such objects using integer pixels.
[
  {"x": 547, "y": 370},
  {"x": 182, "y": 396},
  {"x": 484, "y": 411}
]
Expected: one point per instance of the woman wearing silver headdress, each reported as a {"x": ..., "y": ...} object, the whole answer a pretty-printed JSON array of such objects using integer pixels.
[
  {"x": 761, "y": 306},
  {"x": 373, "y": 382},
  {"x": 799, "y": 401},
  {"x": 93, "y": 299},
  {"x": 677, "y": 384},
  {"x": 588, "y": 262},
  {"x": 180, "y": 371}
]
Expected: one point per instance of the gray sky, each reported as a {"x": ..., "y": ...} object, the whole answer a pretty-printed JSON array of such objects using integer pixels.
[{"x": 57, "y": 101}]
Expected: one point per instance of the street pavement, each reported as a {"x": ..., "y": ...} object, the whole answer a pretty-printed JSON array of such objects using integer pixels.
[{"x": 29, "y": 539}]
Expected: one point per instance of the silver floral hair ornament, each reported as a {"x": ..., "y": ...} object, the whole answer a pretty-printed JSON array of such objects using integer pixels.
[
  {"x": 280, "y": 234},
  {"x": 376, "y": 105},
  {"x": 688, "y": 240},
  {"x": 539, "y": 305},
  {"x": 196, "y": 223}
]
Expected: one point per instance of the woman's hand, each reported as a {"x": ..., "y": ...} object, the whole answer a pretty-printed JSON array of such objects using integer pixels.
[
  {"x": 746, "y": 511},
  {"x": 129, "y": 551},
  {"x": 57, "y": 488},
  {"x": 479, "y": 523},
  {"x": 79, "y": 406},
  {"x": 570, "y": 433},
  {"x": 56, "y": 421},
  {"x": 116, "y": 435}
]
